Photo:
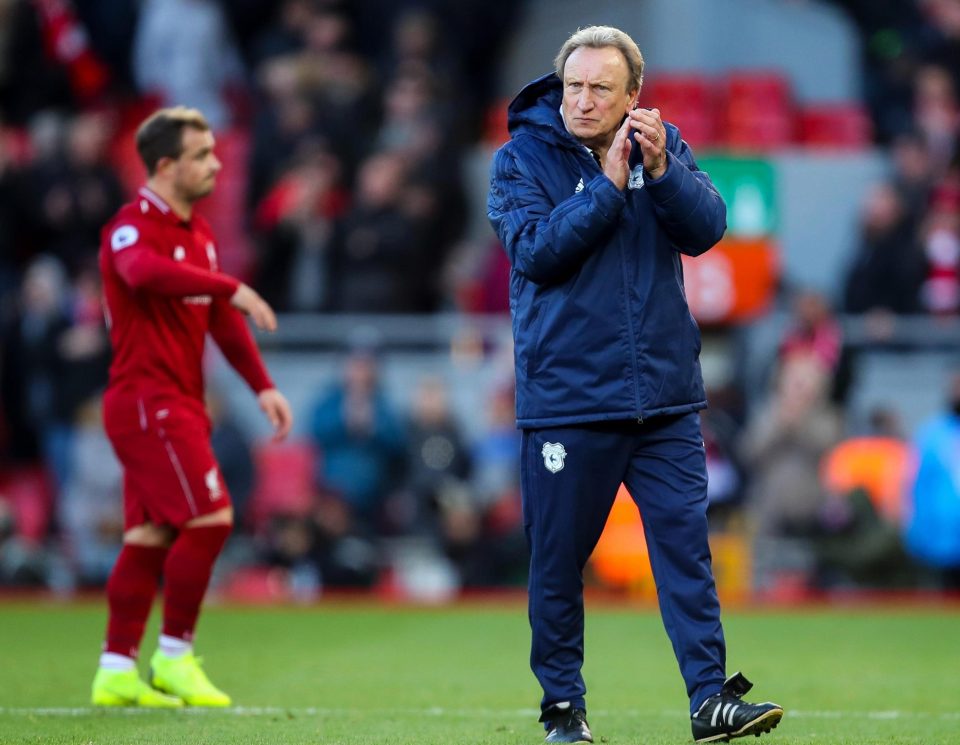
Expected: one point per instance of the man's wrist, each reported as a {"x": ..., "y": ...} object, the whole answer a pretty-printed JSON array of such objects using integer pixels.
[
  {"x": 658, "y": 172},
  {"x": 613, "y": 180}
]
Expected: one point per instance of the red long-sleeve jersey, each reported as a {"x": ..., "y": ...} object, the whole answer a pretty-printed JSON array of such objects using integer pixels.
[{"x": 163, "y": 293}]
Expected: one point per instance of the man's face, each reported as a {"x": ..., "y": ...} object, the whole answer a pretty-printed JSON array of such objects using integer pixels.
[
  {"x": 195, "y": 171},
  {"x": 595, "y": 94}
]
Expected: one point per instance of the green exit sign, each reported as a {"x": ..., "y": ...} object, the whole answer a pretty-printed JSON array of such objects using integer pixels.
[{"x": 748, "y": 186}]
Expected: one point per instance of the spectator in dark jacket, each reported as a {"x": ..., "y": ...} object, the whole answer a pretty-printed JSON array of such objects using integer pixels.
[
  {"x": 72, "y": 193},
  {"x": 378, "y": 262},
  {"x": 361, "y": 443},
  {"x": 594, "y": 201},
  {"x": 888, "y": 268}
]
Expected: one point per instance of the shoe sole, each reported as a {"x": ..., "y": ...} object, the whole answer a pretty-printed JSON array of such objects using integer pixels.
[
  {"x": 110, "y": 699},
  {"x": 159, "y": 685},
  {"x": 762, "y": 724},
  {"x": 581, "y": 741},
  {"x": 113, "y": 700}
]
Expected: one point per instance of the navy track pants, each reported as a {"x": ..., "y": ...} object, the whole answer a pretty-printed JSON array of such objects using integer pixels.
[{"x": 569, "y": 480}]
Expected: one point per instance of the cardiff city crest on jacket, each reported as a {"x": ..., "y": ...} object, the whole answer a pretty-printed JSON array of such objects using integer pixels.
[
  {"x": 553, "y": 455},
  {"x": 636, "y": 177}
]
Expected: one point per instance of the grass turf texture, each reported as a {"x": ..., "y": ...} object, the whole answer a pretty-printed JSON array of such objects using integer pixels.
[{"x": 359, "y": 674}]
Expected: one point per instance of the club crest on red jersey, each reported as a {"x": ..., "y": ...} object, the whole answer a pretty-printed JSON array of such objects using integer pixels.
[{"x": 212, "y": 480}]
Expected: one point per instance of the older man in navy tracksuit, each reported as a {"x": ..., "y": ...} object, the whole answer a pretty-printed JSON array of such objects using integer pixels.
[{"x": 594, "y": 201}]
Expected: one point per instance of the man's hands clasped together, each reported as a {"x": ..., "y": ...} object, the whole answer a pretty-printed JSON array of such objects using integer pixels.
[{"x": 648, "y": 131}]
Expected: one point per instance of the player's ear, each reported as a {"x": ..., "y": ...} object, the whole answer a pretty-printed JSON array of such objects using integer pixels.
[{"x": 164, "y": 164}]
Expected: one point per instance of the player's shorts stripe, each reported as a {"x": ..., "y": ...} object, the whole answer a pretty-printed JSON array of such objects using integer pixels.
[{"x": 184, "y": 484}]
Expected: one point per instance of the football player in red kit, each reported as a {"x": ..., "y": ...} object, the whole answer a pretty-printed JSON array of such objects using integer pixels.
[{"x": 164, "y": 293}]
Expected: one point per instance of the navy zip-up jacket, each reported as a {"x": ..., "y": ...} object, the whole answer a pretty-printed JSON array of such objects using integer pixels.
[{"x": 601, "y": 326}]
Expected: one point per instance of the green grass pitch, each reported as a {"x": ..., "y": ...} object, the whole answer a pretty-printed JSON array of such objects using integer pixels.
[{"x": 358, "y": 674}]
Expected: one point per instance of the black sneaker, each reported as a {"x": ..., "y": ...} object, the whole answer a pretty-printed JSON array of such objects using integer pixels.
[
  {"x": 565, "y": 724},
  {"x": 725, "y": 716}
]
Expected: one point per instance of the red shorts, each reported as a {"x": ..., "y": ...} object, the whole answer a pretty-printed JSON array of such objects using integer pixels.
[{"x": 170, "y": 475}]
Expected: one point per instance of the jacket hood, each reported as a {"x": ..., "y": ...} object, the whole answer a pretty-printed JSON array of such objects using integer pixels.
[{"x": 536, "y": 111}]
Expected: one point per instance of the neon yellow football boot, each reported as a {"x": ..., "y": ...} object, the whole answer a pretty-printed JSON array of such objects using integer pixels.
[
  {"x": 182, "y": 676},
  {"x": 124, "y": 688}
]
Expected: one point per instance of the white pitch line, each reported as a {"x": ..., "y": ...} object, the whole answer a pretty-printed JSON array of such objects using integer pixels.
[{"x": 437, "y": 711}]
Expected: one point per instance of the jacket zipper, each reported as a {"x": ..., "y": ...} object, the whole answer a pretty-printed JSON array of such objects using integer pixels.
[{"x": 633, "y": 343}]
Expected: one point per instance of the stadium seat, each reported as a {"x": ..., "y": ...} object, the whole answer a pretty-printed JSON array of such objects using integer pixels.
[
  {"x": 842, "y": 125},
  {"x": 495, "y": 131},
  {"x": 255, "y": 584},
  {"x": 29, "y": 493},
  {"x": 755, "y": 89},
  {"x": 757, "y": 111},
  {"x": 687, "y": 100},
  {"x": 284, "y": 482}
]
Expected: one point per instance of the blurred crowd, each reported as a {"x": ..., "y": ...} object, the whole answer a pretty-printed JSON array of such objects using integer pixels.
[
  {"x": 402, "y": 486},
  {"x": 908, "y": 260},
  {"x": 828, "y": 500},
  {"x": 346, "y": 124}
]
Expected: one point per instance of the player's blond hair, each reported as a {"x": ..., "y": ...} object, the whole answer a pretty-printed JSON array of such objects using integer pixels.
[
  {"x": 160, "y": 135},
  {"x": 597, "y": 37}
]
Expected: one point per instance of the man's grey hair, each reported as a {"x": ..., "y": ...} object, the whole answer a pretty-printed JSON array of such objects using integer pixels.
[{"x": 597, "y": 37}]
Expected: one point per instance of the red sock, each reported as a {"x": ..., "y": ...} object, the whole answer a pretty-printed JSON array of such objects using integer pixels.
[
  {"x": 130, "y": 592},
  {"x": 186, "y": 575}
]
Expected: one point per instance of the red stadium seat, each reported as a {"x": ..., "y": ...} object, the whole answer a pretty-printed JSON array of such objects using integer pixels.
[
  {"x": 30, "y": 497},
  {"x": 842, "y": 125},
  {"x": 495, "y": 131},
  {"x": 257, "y": 584},
  {"x": 757, "y": 112},
  {"x": 687, "y": 100},
  {"x": 758, "y": 89},
  {"x": 284, "y": 483}
]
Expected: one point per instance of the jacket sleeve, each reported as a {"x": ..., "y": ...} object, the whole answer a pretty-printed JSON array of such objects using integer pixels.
[
  {"x": 545, "y": 243},
  {"x": 229, "y": 330},
  {"x": 687, "y": 204}
]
